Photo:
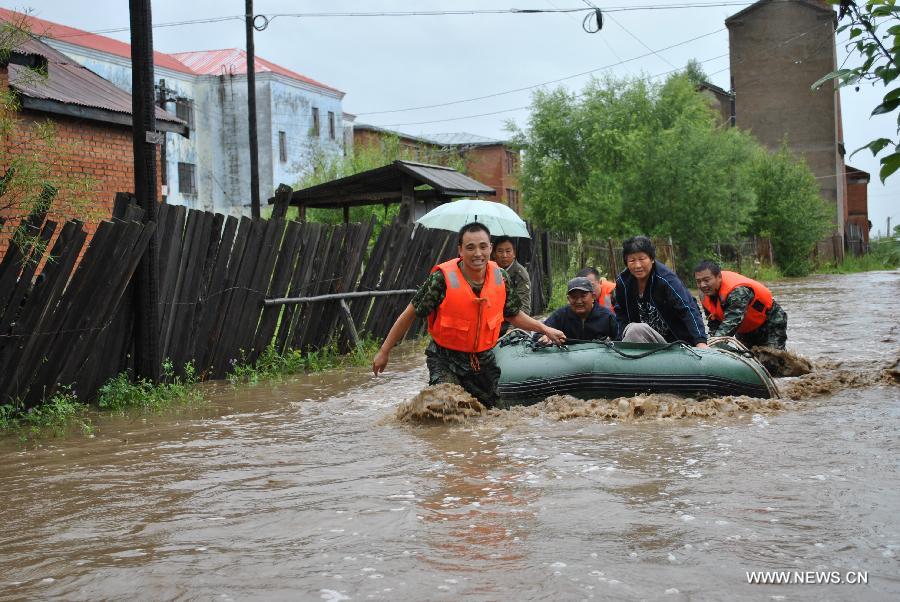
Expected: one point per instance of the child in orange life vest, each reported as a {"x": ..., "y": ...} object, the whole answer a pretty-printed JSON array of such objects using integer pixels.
[
  {"x": 465, "y": 301},
  {"x": 740, "y": 307}
]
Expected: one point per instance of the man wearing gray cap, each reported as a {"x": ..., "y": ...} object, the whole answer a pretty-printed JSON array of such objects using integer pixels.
[{"x": 583, "y": 319}]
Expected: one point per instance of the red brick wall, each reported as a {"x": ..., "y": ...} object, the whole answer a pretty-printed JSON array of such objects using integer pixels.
[
  {"x": 101, "y": 153},
  {"x": 490, "y": 165},
  {"x": 858, "y": 202}
]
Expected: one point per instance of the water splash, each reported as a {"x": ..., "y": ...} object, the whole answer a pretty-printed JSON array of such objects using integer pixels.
[
  {"x": 440, "y": 403},
  {"x": 646, "y": 407},
  {"x": 826, "y": 382},
  {"x": 780, "y": 362}
]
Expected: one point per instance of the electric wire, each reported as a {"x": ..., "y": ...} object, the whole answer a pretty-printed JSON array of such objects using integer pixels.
[
  {"x": 510, "y": 110},
  {"x": 545, "y": 83},
  {"x": 372, "y": 14},
  {"x": 735, "y": 62}
]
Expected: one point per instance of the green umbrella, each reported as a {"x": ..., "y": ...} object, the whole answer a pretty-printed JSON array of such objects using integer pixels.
[{"x": 499, "y": 219}]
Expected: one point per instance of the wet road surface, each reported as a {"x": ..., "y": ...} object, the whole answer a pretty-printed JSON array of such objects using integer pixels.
[{"x": 308, "y": 489}]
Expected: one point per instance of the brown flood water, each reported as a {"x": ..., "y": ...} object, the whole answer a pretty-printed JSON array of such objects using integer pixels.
[{"x": 313, "y": 489}]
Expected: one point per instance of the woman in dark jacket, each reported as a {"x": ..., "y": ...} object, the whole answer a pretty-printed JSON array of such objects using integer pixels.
[{"x": 652, "y": 304}]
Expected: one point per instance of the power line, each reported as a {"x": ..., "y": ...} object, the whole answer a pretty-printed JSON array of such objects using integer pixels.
[
  {"x": 579, "y": 95},
  {"x": 533, "y": 86},
  {"x": 641, "y": 42},
  {"x": 511, "y": 11}
]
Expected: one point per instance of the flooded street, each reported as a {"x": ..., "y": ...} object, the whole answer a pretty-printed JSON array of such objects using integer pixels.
[{"x": 309, "y": 489}]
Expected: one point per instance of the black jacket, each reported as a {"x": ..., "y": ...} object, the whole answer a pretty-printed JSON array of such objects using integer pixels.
[
  {"x": 673, "y": 301},
  {"x": 600, "y": 323}
]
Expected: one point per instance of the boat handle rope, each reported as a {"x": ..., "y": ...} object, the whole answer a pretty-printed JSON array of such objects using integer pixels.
[
  {"x": 611, "y": 346},
  {"x": 521, "y": 336}
]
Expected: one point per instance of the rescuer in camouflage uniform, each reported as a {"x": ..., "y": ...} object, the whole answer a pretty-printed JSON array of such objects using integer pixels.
[
  {"x": 772, "y": 333},
  {"x": 519, "y": 280},
  {"x": 455, "y": 367},
  {"x": 475, "y": 369}
]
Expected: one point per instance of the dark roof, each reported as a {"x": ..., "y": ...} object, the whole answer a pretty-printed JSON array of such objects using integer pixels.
[
  {"x": 76, "y": 91},
  {"x": 715, "y": 89},
  {"x": 818, "y": 5},
  {"x": 383, "y": 185},
  {"x": 856, "y": 173}
]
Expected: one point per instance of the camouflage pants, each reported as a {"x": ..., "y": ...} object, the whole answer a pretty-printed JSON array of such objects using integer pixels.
[
  {"x": 455, "y": 367},
  {"x": 773, "y": 333}
]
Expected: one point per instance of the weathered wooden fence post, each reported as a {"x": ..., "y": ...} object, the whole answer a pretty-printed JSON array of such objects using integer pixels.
[{"x": 282, "y": 201}]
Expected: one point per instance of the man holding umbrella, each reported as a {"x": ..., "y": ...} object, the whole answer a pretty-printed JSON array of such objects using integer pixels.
[{"x": 465, "y": 301}]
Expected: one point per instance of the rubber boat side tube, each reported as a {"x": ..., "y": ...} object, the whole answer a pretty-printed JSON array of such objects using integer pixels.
[{"x": 607, "y": 370}]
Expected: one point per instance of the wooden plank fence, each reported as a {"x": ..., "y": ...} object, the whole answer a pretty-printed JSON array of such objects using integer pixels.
[{"x": 71, "y": 322}]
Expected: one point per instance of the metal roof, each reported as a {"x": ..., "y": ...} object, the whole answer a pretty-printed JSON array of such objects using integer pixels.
[
  {"x": 233, "y": 61},
  {"x": 68, "y": 83},
  {"x": 79, "y": 37},
  {"x": 209, "y": 62},
  {"x": 462, "y": 139},
  {"x": 383, "y": 185},
  {"x": 451, "y": 139}
]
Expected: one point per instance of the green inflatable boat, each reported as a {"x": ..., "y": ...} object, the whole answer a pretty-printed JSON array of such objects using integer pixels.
[{"x": 530, "y": 373}]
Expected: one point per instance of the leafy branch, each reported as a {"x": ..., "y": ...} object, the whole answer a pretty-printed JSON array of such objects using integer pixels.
[{"x": 870, "y": 27}]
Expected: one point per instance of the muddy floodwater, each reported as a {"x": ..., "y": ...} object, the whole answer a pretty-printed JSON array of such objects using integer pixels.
[{"x": 312, "y": 489}]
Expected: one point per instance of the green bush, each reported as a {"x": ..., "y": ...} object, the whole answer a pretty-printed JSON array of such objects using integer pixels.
[
  {"x": 55, "y": 414},
  {"x": 789, "y": 210}
]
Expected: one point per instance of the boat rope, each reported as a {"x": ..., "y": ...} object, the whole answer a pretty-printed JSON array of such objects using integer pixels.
[
  {"x": 609, "y": 345},
  {"x": 517, "y": 336}
]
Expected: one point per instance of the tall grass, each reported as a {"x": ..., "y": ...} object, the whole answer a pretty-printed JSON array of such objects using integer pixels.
[
  {"x": 884, "y": 254},
  {"x": 273, "y": 364},
  {"x": 55, "y": 415}
]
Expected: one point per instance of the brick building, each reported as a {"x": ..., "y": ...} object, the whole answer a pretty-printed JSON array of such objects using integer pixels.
[
  {"x": 489, "y": 161},
  {"x": 857, "y": 215},
  {"x": 93, "y": 135},
  {"x": 720, "y": 100},
  {"x": 778, "y": 50}
]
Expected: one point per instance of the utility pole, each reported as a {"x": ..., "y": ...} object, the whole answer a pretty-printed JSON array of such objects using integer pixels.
[
  {"x": 143, "y": 114},
  {"x": 162, "y": 99},
  {"x": 251, "y": 113}
]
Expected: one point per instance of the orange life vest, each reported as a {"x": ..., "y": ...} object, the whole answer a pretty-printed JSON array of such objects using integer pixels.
[
  {"x": 464, "y": 322},
  {"x": 756, "y": 311},
  {"x": 607, "y": 288}
]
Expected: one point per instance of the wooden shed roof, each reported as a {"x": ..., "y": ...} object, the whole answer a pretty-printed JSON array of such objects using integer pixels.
[{"x": 383, "y": 185}]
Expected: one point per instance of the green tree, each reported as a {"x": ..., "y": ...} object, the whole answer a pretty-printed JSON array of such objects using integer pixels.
[
  {"x": 874, "y": 38},
  {"x": 695, "y": 72},
  {"x": 626, "y": 156},
  {"x": 789, "y": 209}
]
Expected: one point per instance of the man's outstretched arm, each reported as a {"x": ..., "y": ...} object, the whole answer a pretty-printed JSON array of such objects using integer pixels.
[{"x": 398, "y": 331}]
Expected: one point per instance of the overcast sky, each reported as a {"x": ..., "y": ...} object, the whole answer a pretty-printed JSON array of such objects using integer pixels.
[{"x": 390, "y": 63}]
